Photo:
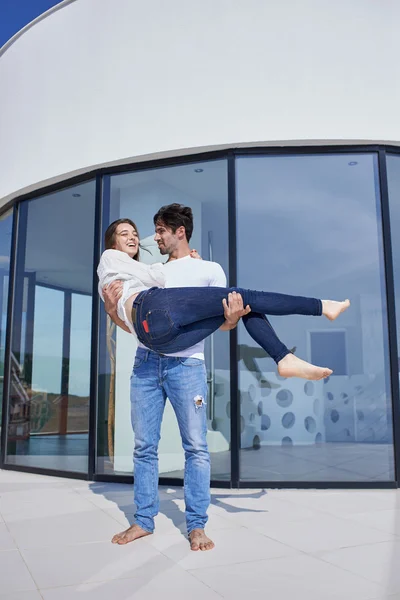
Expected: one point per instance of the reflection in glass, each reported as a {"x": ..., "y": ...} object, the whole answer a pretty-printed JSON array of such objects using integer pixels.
[
  {"x": 48, "y": 413},
  {"x": 393, "y": 175},
  {"x": 310, "y": 225},
  {"x": 138, "y": 196},
  {"x": 5, "y": 251}
]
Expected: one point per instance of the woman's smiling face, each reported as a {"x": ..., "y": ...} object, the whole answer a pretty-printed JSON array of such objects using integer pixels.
[{"x": 126, "y": 239}]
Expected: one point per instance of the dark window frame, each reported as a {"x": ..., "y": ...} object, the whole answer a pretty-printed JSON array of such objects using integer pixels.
[{"x": 230, "y": 154}]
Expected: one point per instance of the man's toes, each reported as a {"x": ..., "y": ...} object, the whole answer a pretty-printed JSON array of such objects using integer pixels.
[
  {"x": 206, "y": 546},
  {"x": 122, "y": 540},
  {"x": 119, "y": 538}
]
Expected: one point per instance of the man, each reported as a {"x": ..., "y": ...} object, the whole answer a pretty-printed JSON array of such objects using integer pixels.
[{"x": 182, "y": 378}]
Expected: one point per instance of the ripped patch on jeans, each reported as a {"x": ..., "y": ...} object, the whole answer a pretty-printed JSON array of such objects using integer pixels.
[{"x": 199, "y": 401}]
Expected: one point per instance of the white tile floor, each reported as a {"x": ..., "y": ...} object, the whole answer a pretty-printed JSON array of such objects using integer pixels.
[{"x": 281, "y": 544}]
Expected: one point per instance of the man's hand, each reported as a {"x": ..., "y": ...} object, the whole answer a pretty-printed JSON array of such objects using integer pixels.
[
  {"x": 112, "y": 293},
  {"x": 233, "y": 311}
]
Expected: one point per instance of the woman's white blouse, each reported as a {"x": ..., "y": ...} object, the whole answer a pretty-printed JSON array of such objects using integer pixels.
[{"x": 135, "y": 275}]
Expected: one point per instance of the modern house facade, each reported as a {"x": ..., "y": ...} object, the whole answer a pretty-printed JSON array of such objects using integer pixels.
[{"x": 278, "y": 124}]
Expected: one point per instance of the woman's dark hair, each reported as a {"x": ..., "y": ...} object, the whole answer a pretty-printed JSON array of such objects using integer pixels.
[
  {"x": 174, "y": 216},
  {"x": 109, "y": 236}
]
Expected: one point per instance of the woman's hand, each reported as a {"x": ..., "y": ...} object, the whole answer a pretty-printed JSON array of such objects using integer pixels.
[{"x": 195, "y": 254}]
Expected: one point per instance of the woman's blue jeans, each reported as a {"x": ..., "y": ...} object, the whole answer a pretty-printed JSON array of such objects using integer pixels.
[{"x": 169, "y": 320}]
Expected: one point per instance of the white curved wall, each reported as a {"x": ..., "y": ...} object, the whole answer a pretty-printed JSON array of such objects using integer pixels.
[{"x": 100, "y": 81}]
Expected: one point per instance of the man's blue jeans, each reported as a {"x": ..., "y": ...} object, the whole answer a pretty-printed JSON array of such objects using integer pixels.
[{"x": 184, "y": 382}]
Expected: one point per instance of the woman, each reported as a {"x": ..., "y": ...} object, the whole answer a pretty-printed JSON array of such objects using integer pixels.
[{"x": 169, "y": 320}]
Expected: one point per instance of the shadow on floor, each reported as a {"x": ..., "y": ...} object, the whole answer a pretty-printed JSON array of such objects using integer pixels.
[{"x": 117, "y": 493}]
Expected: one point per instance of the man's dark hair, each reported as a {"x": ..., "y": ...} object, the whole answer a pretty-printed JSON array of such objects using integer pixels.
[{"x": 174, "y": 216}]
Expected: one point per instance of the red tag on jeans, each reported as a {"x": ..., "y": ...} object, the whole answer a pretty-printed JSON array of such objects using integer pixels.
[{"x": 145, "y": 326}]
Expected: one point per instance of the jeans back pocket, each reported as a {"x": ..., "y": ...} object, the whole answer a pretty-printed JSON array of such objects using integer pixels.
[{"x": 159, "y": 323}]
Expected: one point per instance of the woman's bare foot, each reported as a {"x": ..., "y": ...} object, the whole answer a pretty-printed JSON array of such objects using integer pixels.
[
  {"x": 129, "y": 535},
  {"x": 292, "y": 366},
  {"x": 332, "y": 309},
  {"x": 199, "y": 540}
]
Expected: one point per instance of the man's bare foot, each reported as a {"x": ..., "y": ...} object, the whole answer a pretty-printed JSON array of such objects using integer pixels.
[
  {"x": 129, "y": 535},
  {"x": 199, "y": 540},
  {"x": 332, "y": 309},
  {"x": 292, "y": 366}
]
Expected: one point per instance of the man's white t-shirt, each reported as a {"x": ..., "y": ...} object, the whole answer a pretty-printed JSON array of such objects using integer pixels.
[{"x": 191, "y": 272}]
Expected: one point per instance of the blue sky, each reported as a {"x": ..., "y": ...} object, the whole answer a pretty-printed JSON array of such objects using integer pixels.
[{"x": 15, "y": 14}]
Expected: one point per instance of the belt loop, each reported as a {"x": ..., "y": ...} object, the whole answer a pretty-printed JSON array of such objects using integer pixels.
[{"x": 147, "y": 356}]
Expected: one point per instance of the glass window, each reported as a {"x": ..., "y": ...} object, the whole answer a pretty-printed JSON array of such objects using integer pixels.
[
  {"x": 50, "y": 361},
  {"x": 310, "y": 225},
  {"x": 138, "y": 196},
  {"x": 6, "y": 220},
  {"x": 393, "y": 175}
]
